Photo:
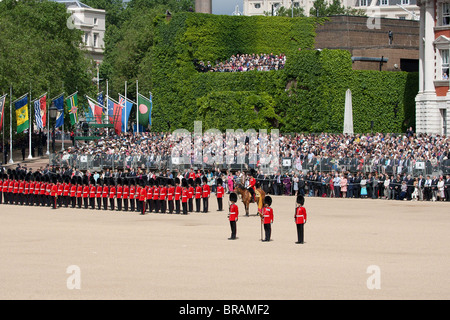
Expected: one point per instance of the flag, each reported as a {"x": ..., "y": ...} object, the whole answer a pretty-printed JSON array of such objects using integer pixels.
[
  {"x": 22, "y": 119},
  {"x": 96, "y": 110},
  {"x": 144, "y": 110},
  {"x": 115, "y": 114},
  {"x": 101, "y": 101},
  {"x": 72, "y": 106},
  {"x": 40, "y": 108},
  {"x": 127, "y": 105},
  {"x": 59, "y": 104},
  {"x": 2, "y": 108}
]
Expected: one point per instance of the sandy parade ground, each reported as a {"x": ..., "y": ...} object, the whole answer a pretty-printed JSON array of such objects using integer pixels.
[{"x": 355, "y": 249}]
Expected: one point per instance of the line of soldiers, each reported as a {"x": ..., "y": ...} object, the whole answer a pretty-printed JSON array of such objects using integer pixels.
[{"x": 158, "y": 195}]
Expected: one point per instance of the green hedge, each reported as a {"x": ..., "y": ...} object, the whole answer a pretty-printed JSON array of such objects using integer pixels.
[{"x": 308, "y": 95}]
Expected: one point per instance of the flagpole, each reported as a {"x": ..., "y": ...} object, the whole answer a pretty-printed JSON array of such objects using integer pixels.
[
  {"x": 107, "y": 114},
  {"x": 62, "y": 135},
  {"x": 3, "y": 132},
  {"x": 137, "y": 107},
  {"x": 47, "y": 118},
  {"x": 10, "y": 126},
  {"x": 126, "y": 108},
  {"x": 29, "y": 135}
]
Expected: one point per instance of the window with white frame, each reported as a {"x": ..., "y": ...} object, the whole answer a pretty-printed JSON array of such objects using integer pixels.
[
  {"x": 384, "y": 2},
  {"x": 446, "y": 14},
  {"x": 363, "y": 3},
  {"x": 95, "y": 40},
  {"x": 444, "y": 63},
  {"x": 405, "y": 2}
]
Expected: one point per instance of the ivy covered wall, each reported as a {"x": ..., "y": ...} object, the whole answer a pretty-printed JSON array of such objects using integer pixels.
[{"x": 307, "y": 96}]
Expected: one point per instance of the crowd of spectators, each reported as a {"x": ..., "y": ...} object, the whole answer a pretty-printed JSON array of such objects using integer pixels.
[
  {"x": 391, "y": 166},
  {"x": 245, "y": 62}
]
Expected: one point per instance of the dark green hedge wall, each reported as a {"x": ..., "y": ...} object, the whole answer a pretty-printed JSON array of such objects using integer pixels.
[{"x": 307, "y": 96}]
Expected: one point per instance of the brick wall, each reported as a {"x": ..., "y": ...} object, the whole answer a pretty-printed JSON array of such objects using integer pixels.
[{"x": 352, "y": 33}]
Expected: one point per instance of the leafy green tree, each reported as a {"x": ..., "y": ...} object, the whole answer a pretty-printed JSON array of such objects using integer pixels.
[
  {"x": 322, "y": 8},
  {"x": 38, "y": 52}
]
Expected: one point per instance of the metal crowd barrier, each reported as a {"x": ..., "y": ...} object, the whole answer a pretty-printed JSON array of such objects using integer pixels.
[{"x": 99, "y": 162}]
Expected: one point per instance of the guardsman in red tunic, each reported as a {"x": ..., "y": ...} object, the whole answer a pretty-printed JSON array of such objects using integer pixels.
[
  {"x": 125, "y": 194},
  {"x": 66, "y": 192},
  {"x": 73, "y": 192},
  {"x": 16, "y": 191},
  {"x": 98, "y": 195},
  {"x": 219, "y": 194},
  {"x": 37, "y": 188},
  {"x": 112, "y": 194},
  {"x": 86, "y": 193},
  {"x": 300, "y": 218},
  {"x": 206, "y": 191},
  {"x": 233, "y": 215},
  {"x": 11, "y": 190},
  {"x": 191, "y": 192},
  {"x": 178, "y": 191},
  {"x": 79, "y": 192},
  {"x": 170, "y": 195},
  {"x": 184, "y": 196},
  {"x": 4, "y": 188},
  {"x": 150, "y": 194},
  {"x": 48, "y": 191},
  {"x": 105, "y": 193},
  {"x": 92, "y": 193},
  {"x": 198, "y": 194},
  {"x": 60, "y": 193},
  {"x": 142, "y": 197},
  {"x": 119, "y": 194},
  {"x": 42, "y": 201},
  {"x": 21, "y": 191},
  {"x": 162, "y": 195},
  {"x": 26, "y": 190},
  {"x": 132, "y": 193},
  {"x": 156, "y": 195},
  {"x": 267, "y": 217},
  {"x": 54, "y": 194}
]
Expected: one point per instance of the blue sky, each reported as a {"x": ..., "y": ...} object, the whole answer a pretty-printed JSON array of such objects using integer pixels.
[{"x": 226, "y": 6}]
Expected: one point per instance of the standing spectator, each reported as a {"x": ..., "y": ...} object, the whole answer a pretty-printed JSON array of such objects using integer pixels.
[{"x": 343, "y": 185}]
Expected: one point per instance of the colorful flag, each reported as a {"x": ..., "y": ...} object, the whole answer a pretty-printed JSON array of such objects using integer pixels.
[
  {"x": 96, "y": 110},
  {"x": 127, "y": 105},
  {"x": 22, "y": 119},
  {"x": 144, "y": 110},
  {"x": 2, "y": 108},
  {"x": 115, "y": 114},
  {"x": 40, "y": 108},
  {"x": 59, "y": 104},
  {"x": 72, "y": 106}
]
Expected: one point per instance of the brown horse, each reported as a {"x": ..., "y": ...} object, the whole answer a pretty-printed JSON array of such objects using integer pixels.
[{"x": 246, "y": 197}]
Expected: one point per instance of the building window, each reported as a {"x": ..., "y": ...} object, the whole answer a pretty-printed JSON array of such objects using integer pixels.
[
  {"x": 95, "y": 40},
  {"x": 444, "y": 63},
  {"x": 405, "y": 2},
  {"x": 446, "y": 14},
  {"x": 257, "y": 5},
  {"x": 363, "y": 3},
  {"x": 384, "y": 2},
  {"x": 296, "y": 4},
  {"x": 95, "y": 21},
  {"x": 86, "y": 38}
]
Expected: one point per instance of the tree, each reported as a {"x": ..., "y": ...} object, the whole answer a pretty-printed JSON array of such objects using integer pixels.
[
  {"x": 322, "y": 8},
  {"x": 288, "y": 12},
  {"x": 39, "y": 52}
]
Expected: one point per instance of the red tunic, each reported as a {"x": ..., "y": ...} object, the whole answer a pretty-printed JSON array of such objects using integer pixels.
[
  {"x": 234, "y": 212},
  {"x": 267, "y": 215}
]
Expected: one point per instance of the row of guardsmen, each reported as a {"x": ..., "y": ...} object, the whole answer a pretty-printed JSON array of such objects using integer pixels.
[{"x": 126, "y": 194}]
